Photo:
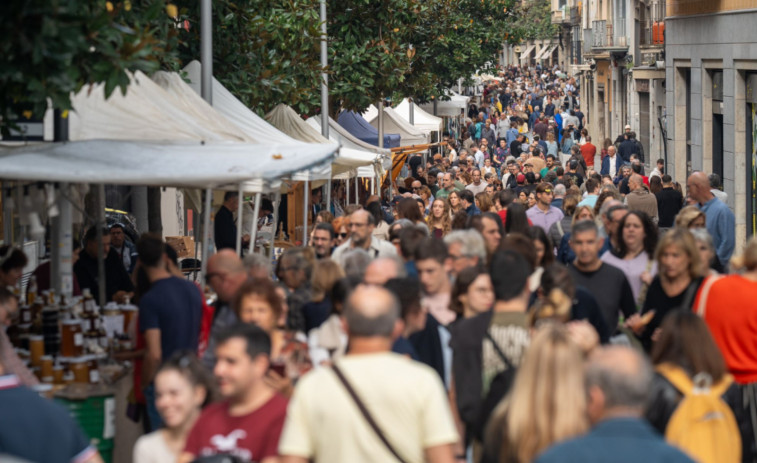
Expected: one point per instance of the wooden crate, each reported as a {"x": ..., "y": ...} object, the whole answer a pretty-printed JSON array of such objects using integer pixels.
[{"x": 184, "y": 245}]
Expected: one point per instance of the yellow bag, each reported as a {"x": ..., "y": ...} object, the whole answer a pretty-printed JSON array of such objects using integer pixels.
[{"x": 702, "y": 425}]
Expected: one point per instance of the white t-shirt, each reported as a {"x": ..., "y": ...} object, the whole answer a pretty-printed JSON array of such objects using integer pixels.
[
  {"x": 405, "y": 398},
  {"x": 152, "y": 448}
]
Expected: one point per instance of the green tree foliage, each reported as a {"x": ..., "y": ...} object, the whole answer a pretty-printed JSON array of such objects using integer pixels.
[
  {"x": 535, "y": 21},
  {"x": 51, "y": 48},
  {"x": 265, "y": 52}
]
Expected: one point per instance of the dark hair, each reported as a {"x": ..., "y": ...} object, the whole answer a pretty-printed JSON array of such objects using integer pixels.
[
  {"x": 591, "y": 184},
  {"x": 530, "y": 178},
  {"x": 189, "y": 366},
  {"x": 522, "y": 244},
  {"x": 650, "y": 234},
  {"x": 463, "y": 281},
  {"x": 667, "y": 178},
  {"x": 517, "y": 220},
  {"x": 264, "y": 288},
  {"x": 506, "y": 197},
  {"x": 12, "y": 257},
  {"x": 408, "y": 209},
  {"x": 655, "y": 184},
  {"x": 431, "y": 248},
  {"x": 339, "y": 293},
  {"x": 150, "y": 248},
  {"x": 91, "y": 234},
  {"x": 459, "y": 221},
  {"x": 258, "y": 341},
  {"x": 584, "y": 226},
  {"x": 509, "y": 271},
  {"x": 686, "y": 341},
  {"x": 230, "y": 194},
  {"x": 410, "y": 238},
  {"x": 556, "y": 276},
  {"x": 636, "y": 168},
  {"x": 375, "y": 210},
  {"x": 538, "y": 234},
  {"x": 116, "y": 225},
  {"x": 171, "y": 253},
  {"x": 326, "y": 226},
  {"x": 467, "y": 195},
  {"x": 407, "y": 290}
]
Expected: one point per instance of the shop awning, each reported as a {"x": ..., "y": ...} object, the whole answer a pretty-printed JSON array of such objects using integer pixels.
[
  {"x": 527, "y": 52},
  {"x": 546, "y": 52}
]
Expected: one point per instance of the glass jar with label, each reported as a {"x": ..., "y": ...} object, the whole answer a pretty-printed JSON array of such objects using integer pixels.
[
  {"x": 80, "y": 368},
  {"x": 58, "y": 372},
  {"x": 25, "y": 315},
  {"x": 72, "y": 338},
  {"x": 94, "y": 371},
  {"x": 36, "y": 348},
  {"x": 46, "y": 366}
]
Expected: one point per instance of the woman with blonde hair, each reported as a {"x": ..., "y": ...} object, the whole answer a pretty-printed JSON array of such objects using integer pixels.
[
  {"x": 483, "y": 202},
  {"x": 674, "y": 287},
  {"x": 439, "y": 220},
  {"x": 547, "y": 403},
  {"x": 690, "y": 217}
]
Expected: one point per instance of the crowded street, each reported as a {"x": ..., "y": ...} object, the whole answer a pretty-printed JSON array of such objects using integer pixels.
[{"x": 521, "y": 264}]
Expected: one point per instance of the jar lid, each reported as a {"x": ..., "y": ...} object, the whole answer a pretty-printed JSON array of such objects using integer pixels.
[
  {"x": 47, "y": 357},
  {"x": 36, "y": 337},
  {"x": 43, "y": 387},
  {"x": 71, "y": 321}
]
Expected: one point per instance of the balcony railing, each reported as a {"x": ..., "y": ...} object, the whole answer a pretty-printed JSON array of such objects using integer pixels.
[
  {"x": 588, "y": 41},
  {"x": 603, "y": 35},
  {"x": 566, "y": 15},
  {"x": 653, "y": 34}
]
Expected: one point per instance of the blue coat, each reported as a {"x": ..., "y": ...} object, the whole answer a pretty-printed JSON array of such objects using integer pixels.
[
  {"x": 617, "y": 440},
  {"x": 606, "y": 166}
]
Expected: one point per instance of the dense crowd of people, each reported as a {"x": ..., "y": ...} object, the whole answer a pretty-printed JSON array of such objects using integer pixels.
[{"x": 505, "y": 303}]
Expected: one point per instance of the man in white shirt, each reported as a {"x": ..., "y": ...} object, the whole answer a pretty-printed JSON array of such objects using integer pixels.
[
  {"x": 362, "y": 224},
  {"x": 478, "y": 185},
  {"x": 405, "y": 399}
]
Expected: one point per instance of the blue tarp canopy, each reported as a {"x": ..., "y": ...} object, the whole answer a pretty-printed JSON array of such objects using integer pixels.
[{"x": 360, "y": 128}]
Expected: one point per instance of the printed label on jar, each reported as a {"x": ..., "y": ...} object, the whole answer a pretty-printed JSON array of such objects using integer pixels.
[
  {"x": 94, "y": 376},
  {"x": 103, "y": 341},
  {"x": 27, "y": 316},
  {"x": 78, "y": 339}
]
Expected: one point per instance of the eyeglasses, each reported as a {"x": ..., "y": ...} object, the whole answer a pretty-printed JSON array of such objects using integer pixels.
[
  {"x": 416, "y": 188},
  {"x": 342, "y": 235}
]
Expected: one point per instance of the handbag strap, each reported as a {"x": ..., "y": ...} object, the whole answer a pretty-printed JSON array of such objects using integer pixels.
[
  {"x": 366, "y": 414},
  {"x": 499, "y": 352}
]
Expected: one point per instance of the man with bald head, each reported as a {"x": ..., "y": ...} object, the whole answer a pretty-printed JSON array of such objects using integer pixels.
[
  {"x": 405, "y": 398},
  {"x": 721, "y": 223},
  {"x": 362, "y": 224},
  {"x": 225, "y": 275},
  {"x": 384, "y": 269},
  {"x": 640, "y": 199},
  {"x": 617, "y": 382}
]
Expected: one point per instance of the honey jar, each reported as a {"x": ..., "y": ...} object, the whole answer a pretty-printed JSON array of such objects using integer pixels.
[
  {"x": 80, "y": 369},
  {"x": 46, "y": 366},
  {"x": 36, "y": 348},
  {"x": 72, "y": 338}
]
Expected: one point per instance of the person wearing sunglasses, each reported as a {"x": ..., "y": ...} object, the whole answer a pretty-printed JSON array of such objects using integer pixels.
[{"x": 341, "y": 229}]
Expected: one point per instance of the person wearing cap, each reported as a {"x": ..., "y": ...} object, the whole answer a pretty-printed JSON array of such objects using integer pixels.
[
  {"x": 628, "y": 147},
  {"x": 621, "y": 138},
  {"x": 543, "y": 214}
]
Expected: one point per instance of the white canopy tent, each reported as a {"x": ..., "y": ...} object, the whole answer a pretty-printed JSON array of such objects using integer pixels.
[
  {"x": 179, "y": 164},
  {"x": 394, "y": 123},
  {"x": 422, "y": 120},
  {"x": 455, "y": 106},
  {"x": 370, "y": 113},
  {"x": 352, "y": 144},
  {"x": 146, "y": 112},
  {"x": 234, "y": 110}
]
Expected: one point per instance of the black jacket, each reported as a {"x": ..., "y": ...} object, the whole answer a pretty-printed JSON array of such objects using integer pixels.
[
  {"x": 669, "y": 204},
  {"x": 116, "y": 278},
  {"x": 428, "y": 345},
  {"x": 467, "y": 357},
  {"x": 225, "y": 230}
]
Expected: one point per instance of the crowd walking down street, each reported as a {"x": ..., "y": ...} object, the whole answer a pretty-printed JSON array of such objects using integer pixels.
[{"x": 519, "y": 293}]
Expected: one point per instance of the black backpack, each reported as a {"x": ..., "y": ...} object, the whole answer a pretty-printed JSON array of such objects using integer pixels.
[{"x": 498, "y": 389}]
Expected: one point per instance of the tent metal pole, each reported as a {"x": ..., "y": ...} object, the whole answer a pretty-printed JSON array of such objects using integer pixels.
[
  {"x": 254, "y": 231},
  {"x": 100, "y": 251},
  {"x": 328, "y": 192},
  {"x": 206, "y": 50},
  {"x": 306, "y": 211},
  {"x": 381, "y": 123},
  {"x": 347, "y": 189},
  {"x": 357, "y": 193},
  {"x": 206, "y": 234},
  {"x": 324, "y": 74},
  {"x": 64, "y": 278},
  {"x": 240, "y": 223},
  {"x": 276, "y": 205}
]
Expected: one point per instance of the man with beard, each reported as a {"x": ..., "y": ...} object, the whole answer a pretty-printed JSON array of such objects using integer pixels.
[{"x": 362, "y": 224}]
